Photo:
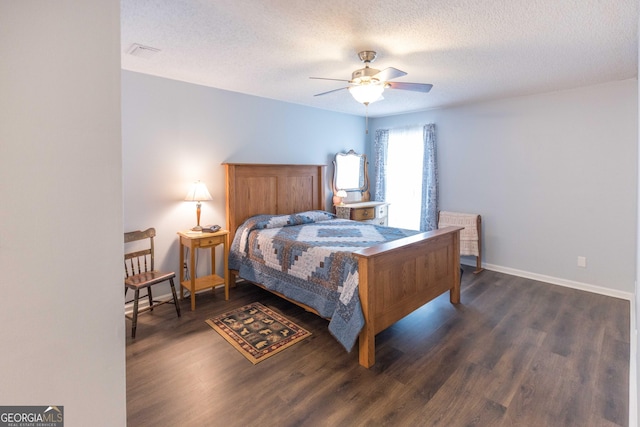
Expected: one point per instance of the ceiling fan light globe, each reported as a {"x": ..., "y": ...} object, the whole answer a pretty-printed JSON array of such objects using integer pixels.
[{"x": 367, "y": 94}]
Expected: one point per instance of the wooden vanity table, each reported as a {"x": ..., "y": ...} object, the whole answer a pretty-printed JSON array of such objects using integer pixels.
[
  {"x": 351, "y": 178},
  {"x": 371, "y": 212}
]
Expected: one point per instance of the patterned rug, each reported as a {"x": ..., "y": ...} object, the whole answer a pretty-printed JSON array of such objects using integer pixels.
[{"x": 257, "y": 332}]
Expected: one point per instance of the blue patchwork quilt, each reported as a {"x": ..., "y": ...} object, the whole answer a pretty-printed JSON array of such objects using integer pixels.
[{"x": 307, "y": 257}]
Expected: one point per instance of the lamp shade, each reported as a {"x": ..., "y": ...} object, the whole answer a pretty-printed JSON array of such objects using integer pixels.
[
  {"x": 367, "y": 93},
  {"x": 198, "y": 192},
  {"x": 341, "y": 193}
]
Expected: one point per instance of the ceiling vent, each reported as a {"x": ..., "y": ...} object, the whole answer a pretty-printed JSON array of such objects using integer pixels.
[{"x": 142, "y": 51}]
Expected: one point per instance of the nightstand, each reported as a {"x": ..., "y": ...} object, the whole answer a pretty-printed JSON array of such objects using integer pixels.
[
  {"x": 371, "y": 212},
  {"x": 195, "y": 241}
]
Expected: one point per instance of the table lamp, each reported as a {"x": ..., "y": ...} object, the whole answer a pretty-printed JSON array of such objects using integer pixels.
[
  {"x": 198, "y": 193},
  {"x": 342, "y": 194}
]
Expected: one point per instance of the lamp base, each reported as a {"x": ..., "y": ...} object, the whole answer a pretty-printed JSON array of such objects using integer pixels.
[{"x": 197, "y": 228}]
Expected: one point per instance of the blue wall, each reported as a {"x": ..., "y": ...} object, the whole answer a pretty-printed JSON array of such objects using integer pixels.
[
  {"x": 174, "y": 133},
  {"x": 553, "y": 176}
]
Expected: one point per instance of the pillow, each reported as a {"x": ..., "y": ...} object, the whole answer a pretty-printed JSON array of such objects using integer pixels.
[
  {"x": 262, "y": 222},
  {"x": 259, "y": 222},
  {"x": 313, "y": 216}
]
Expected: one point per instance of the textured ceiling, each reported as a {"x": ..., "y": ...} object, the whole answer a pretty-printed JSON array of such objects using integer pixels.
[{"x": 470, "y": 50}]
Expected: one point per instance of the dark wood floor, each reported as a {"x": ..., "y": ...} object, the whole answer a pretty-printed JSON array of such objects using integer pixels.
[{"x": 515, "y": 353}]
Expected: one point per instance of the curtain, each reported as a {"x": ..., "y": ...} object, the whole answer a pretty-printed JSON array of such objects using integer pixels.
[
  {"x": 380, "y": 148},
  {"x": 429, "y": 211}
]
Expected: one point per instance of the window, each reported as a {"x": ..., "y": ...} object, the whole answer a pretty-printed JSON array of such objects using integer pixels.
[{"x": 404, "y": 176}]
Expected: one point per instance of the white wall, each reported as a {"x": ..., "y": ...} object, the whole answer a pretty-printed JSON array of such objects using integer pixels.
[
  {"x": 175, "y": 133},
  {"x": 61, "y": 313},
  {"x": 553, "y": 176}
]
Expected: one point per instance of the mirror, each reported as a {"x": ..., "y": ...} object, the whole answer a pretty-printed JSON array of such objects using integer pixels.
[{"x": 350, "y": 175}]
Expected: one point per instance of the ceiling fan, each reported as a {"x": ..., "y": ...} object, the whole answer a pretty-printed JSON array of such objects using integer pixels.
[{"x": 367, "y": 84}]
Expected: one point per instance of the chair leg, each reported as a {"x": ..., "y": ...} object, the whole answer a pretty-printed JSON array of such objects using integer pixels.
[
  {"x": 150, "y": 298},
  {"x": 175, "y": 296},
  {"x": 135, "y": 314}
]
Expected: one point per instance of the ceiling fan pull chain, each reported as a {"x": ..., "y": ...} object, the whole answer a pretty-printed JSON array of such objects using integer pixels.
[{"x": 366, "y": 119}]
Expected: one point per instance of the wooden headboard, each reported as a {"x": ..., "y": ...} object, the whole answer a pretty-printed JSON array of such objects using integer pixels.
[{"x": 253, "y": 189}]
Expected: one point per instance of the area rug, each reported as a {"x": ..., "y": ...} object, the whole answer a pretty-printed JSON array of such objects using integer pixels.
[{"x": 257, "y": 332}]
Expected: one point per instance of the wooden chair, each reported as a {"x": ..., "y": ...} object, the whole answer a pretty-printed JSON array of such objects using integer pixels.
[{"x": 140, "y": 273}]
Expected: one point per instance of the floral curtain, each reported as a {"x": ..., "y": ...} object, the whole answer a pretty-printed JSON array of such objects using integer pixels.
[
  {"x": 380, "y": 148},
  {"x": 429, "y": 213}
]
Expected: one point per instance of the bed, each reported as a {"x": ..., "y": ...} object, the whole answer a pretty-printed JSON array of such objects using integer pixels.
[{"x": 394, "y": 278}]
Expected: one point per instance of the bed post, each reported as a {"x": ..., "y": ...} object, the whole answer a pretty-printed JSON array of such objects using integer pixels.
[
  {"x": 454, "y": 294},
  {"x": 367, "y": 338}
]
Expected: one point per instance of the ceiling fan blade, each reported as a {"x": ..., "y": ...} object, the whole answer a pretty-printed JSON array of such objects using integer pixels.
[
  {"x": 331, "y": 91},
  {"x": 416, "y": 87},
  {"x": 324, "y": 78},
  {"x": 388, "y": 74}
]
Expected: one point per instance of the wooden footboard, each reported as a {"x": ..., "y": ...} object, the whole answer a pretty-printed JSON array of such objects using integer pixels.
[{"x": 401, "y": 276}]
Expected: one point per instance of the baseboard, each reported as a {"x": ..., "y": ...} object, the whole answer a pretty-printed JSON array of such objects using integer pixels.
[
  {"x": 557, "y": 281},
  {"x": 143, "y": 302}
]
